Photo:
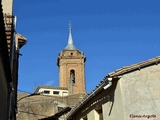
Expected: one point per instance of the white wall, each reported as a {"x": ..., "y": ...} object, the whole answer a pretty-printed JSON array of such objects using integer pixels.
[
  {"x": 7, "y": 6},
  {"x": 61, "y": 92}
]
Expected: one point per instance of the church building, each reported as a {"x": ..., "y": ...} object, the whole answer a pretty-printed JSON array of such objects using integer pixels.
[
  {"x": 58, "y": 101},
  {"x": 71, "y": 63}
]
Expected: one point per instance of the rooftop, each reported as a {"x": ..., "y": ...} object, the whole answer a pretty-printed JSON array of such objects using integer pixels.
[{"x": 115, "y": 74}]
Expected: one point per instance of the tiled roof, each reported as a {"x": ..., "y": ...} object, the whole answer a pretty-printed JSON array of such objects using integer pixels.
[
  {"x": 133, "y": 67},
  {"x": 116, "y": 73},
  {"x": 50, "y": 87},
  {"x": 8, "y": 20},
  {"x": 3, "y": 46}
]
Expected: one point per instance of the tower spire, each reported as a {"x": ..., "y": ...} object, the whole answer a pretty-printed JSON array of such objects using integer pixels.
[{"x": 70, "y": 45}]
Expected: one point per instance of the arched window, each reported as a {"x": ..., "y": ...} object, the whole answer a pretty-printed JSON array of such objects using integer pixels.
[{"x": 72, "y": 76}]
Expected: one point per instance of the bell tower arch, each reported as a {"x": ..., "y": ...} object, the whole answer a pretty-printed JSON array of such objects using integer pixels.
[{"x": 71, "y": 63}]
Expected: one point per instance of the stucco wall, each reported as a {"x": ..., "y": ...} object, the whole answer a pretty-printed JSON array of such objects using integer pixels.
[
  {"x": 93, "y": 115},
  {"x": 41, "y": 106},
  {"x": 140, "y": 93},
  {"x": 37, "y": 107},
  {"x": 7, "y": 6},
  {"x": 113, "y": 110}
]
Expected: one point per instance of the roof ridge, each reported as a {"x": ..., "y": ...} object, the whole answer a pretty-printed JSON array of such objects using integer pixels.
[{"x": 139, "y": 65}]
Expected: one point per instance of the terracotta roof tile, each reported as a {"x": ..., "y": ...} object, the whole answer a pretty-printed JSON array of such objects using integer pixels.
[{"x": 133, "y": 67}]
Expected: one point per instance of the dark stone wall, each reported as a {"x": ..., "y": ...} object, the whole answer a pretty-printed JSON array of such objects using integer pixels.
[{"x": 5, "y": 76}]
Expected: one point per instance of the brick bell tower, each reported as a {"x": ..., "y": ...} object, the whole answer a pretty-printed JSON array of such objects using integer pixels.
[{"x": 71, "y": 63}]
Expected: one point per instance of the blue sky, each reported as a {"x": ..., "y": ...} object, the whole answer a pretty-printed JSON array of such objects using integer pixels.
[{"x": 111, "y": 33}]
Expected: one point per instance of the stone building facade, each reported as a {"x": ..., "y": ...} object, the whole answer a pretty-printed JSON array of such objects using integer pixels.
[
  {"x": 39, "y": 107},
  {"x": 129, "y": 93}
]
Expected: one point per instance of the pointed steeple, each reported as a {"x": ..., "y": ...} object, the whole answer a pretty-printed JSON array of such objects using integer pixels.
[{"x": 70, "y": 45}]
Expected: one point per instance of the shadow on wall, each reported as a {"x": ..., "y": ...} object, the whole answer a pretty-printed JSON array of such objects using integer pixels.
[{"x": 112, "y": 95}]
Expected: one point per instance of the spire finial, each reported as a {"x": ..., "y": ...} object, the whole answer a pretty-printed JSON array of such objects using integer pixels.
[
  {"x": 70, "y": 25},
  {"x": 70, "y": 45}
]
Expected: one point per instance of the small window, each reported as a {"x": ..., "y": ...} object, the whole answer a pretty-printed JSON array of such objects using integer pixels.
[
  {"x": 56, "y": 92},
  {"x": 71, "y": 53},
  {"x": 72, "y": 76},
  {"x": 46, "y": 92}
]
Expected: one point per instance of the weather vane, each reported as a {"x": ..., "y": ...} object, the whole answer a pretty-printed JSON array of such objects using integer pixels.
[{"x": 70, "y": 25}]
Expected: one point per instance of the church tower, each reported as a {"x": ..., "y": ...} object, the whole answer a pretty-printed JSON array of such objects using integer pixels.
[{"x": 71, "y": 64}]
